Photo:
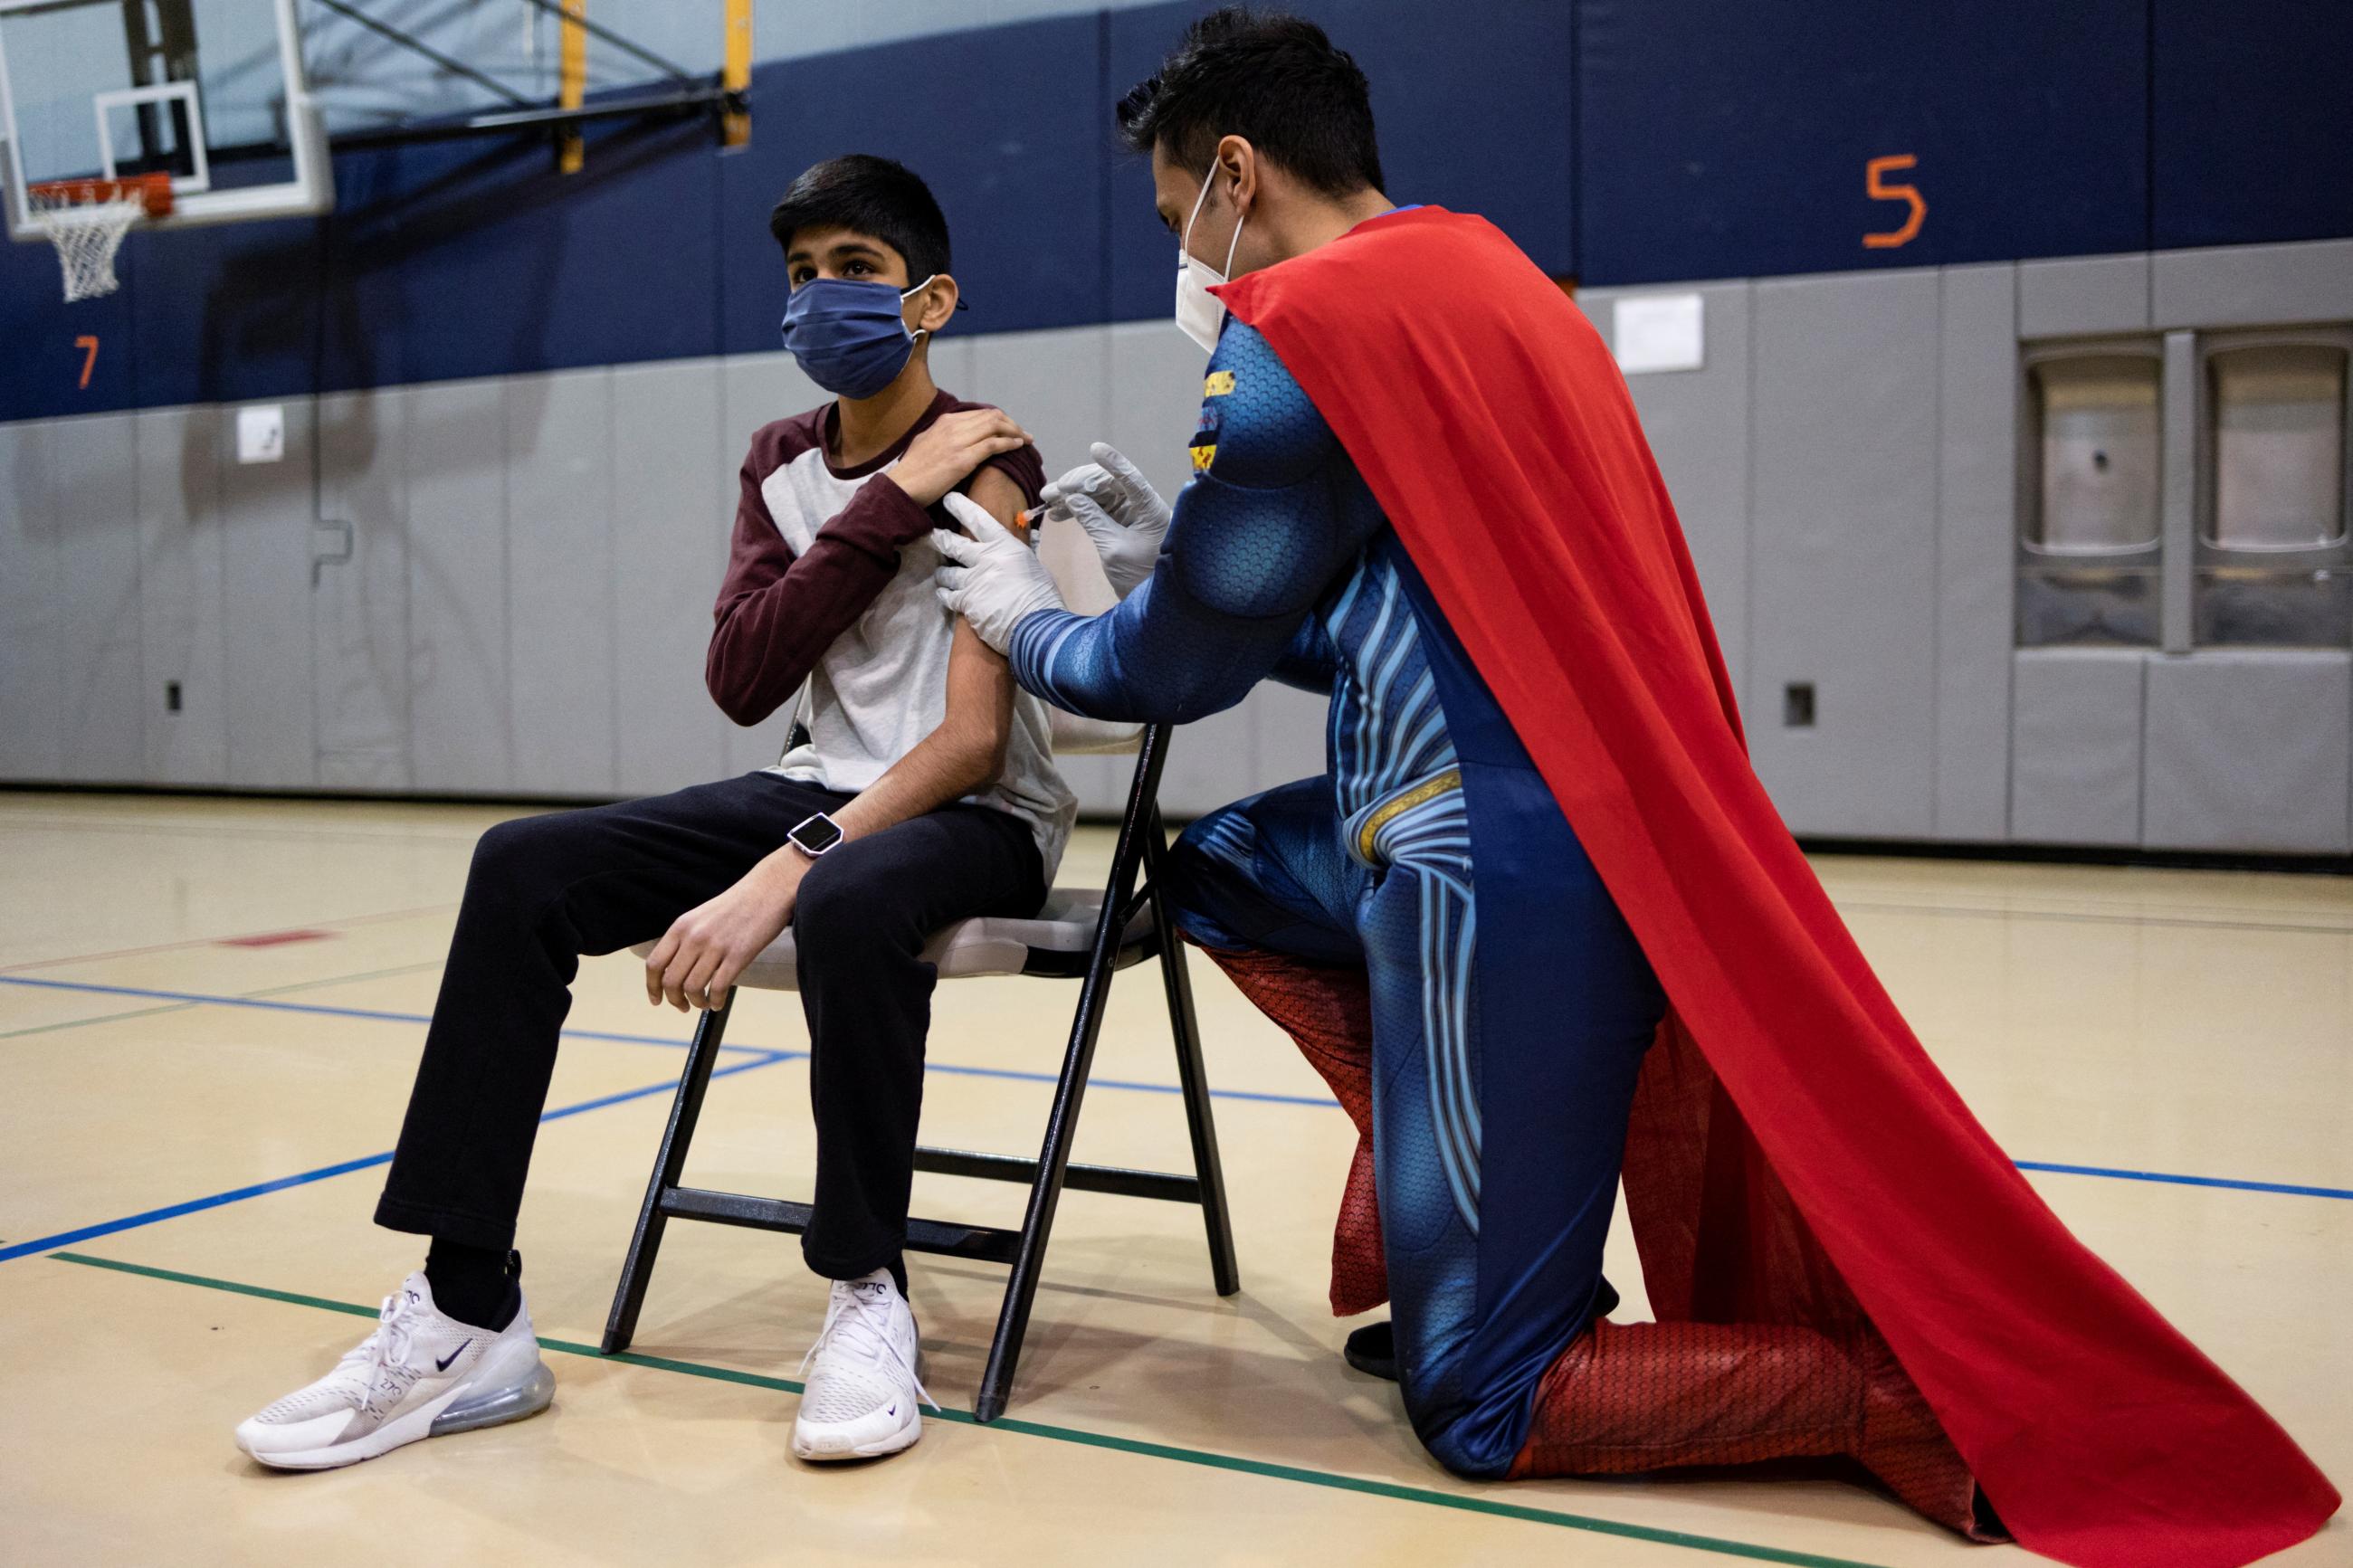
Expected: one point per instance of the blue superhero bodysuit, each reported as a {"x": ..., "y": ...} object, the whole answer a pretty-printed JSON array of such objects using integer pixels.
[{"x": 1511, "y": 1005}]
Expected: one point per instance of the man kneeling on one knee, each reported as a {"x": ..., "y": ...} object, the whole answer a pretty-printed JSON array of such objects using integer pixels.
[{"x": 924, "y": 793}]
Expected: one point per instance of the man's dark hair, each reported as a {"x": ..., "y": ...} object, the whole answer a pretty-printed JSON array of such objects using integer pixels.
[
  {"x": 1274, "y": 80},
  {"x": 875, "y": 196}
]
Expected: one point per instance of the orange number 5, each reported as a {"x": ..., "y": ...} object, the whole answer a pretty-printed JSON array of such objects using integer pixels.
[
  {"x": 1881, "y": 191},
  {"x": 88, "y": 346}
]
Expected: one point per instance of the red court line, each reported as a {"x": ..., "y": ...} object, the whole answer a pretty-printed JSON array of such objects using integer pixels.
[
  {"x": 241, "y": 938},
  {"x": 274, "y": 938}
]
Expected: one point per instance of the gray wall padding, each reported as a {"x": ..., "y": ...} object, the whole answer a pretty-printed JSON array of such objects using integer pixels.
[
  {"x": 1697, "y": 424},
  {"x": 1977, "y": 459},
  {"x": 181, "y": 635},
  {"x": 359, "y": 611},
  {"x": 563, "y": 449},
  {"x": 536, "y": 560},
  {"x": 2076, "y": 746},
  {"x": 673, "y": 496},
  {"x": 460, "y": 724},
  {"x": 2253, "y": 285},
  {"x": 267, "y": 510},
  {"x": 1843, "y": 549},
  {"x": 2248, "y": 750},
  {"x": 2083, "y": 296}
]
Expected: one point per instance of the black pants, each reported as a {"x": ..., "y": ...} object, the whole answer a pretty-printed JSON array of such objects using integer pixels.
[{"x": 545, "y": 891}]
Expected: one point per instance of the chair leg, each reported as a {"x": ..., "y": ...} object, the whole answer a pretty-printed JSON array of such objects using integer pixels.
[
  {"x": 1045, "y": 1195},
  {"x": 1186, "y": 1028},
  {"x": 1078, "y": 1059},
  {"x": 670, "y": 1164}
]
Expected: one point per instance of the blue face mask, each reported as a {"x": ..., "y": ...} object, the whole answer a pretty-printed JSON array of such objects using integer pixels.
[{"x": 848, "y": 334}]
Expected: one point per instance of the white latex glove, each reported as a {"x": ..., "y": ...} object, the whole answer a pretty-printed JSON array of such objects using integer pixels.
[
  {"x": 1121, "y": 511},
  {"x": 992, "y": 579}
]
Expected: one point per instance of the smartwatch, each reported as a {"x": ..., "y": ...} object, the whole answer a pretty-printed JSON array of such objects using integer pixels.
[{"x": 815, "y": 835}]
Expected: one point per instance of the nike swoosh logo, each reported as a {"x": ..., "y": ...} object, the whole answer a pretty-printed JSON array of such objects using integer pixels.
[{"x": 443, "y": 1364}]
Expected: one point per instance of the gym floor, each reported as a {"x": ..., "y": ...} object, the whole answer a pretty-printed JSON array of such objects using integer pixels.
[{"x": 209, "y": 1012}]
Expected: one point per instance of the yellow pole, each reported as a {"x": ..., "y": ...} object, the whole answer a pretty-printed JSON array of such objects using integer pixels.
[
  {"x": 735, "y": 128},
  {"x": 573, "y": 82}
]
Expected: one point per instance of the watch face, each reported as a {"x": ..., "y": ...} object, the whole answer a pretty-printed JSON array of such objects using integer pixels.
[{"x": 816, "y": 835}]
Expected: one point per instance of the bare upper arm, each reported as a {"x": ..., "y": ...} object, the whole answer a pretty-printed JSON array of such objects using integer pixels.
[
  {"x": 998, "y": 496},
  {"x": 980, "y": 681}
]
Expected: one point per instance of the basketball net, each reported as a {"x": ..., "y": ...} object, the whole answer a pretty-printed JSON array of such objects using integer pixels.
[{"x": 86, "y": 220}]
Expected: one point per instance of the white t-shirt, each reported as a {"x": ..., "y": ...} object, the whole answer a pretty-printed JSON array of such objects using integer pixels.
[{"x": 881, "y": 686}]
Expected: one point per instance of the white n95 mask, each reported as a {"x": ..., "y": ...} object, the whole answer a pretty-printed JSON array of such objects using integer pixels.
[{"x": 1199, "y": 313}]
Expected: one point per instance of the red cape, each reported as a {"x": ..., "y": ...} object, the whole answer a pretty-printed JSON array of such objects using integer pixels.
[{"x": 1794, "y": 1155}]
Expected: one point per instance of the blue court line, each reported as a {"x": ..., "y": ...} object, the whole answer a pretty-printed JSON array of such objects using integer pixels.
[
  {"x": 379, "y": 1016},
  {"x": 318, "y": 1009},
  {"x": 2179, "y": 1181},
  {"x": 344, "y": 1168},
  {"x": 2111, "y": 1172}
]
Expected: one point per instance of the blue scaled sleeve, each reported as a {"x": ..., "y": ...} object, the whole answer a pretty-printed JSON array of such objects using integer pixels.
[{"x": 1259, "y": 536}]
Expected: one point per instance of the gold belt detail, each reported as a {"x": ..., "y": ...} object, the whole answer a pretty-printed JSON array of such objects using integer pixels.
[{"x": 1398, "y": 804}]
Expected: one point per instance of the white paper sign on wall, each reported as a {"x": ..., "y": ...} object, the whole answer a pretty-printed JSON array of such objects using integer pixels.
[
  {"x": 1659, "y": 332},
  {"x": 261, "y": 433}
]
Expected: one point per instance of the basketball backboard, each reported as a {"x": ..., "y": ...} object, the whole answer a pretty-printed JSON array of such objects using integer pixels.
[{"x": 211, "y": 92}]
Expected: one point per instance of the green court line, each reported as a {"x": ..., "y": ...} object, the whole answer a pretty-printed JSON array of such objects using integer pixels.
[
  {"x": 102, "y": 1018},
  {"x": 243, "y": 996},
  {"x": 345, "y": 979},
  {"x": 1329, "y": 1479}
]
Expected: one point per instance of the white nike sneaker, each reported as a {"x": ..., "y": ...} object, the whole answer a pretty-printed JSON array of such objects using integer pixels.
[
  {"x": 420, "y": 1374},
  {"x": 861, "y": 1397}
]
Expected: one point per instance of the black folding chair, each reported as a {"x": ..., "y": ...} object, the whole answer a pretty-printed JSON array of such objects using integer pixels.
[{"x": 1079, "y": 935}]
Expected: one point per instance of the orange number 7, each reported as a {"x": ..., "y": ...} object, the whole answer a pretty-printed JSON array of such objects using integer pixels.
[
  {"x": 89, "y": 345},
  {"x": 1886, "y": 192}
]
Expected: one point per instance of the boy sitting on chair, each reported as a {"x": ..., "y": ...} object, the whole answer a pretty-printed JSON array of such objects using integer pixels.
[{"x": 924, "y": 793}]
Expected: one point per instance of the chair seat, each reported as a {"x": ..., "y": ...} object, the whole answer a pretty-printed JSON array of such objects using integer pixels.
[{"x": 1053, "y": 942}]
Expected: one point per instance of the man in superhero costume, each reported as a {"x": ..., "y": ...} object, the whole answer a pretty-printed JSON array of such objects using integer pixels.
[{"x": 1539, "y": 920}]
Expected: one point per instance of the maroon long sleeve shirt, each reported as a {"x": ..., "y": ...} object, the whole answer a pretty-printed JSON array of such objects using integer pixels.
[{"x": 777, "y": 613}]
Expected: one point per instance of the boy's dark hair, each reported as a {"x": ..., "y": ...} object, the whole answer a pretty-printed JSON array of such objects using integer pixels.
[
  {"x": 875, "y": 196},
  {"x": 1272, "y": 79}
]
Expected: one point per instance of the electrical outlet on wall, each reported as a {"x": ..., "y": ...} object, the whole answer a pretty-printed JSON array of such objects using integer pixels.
[{"x": 261, "y": 433}]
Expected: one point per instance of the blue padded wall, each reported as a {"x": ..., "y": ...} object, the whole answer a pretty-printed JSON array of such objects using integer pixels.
[
  {"x": 1720, "y": 141},
  {"x": 1474, "y": 117},
  {"x": 475, "y": 259},
  {"x": 1005, "y": 124},
  {"x": 41, "y": 365},
  {"x": 1622, "y": 141},
  {"x": 227, "y": 312},
  {"x": 2253, "y": 120}
]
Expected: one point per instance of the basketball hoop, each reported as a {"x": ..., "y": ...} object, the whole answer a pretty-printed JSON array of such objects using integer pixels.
[{"x": 86, "y": 220}]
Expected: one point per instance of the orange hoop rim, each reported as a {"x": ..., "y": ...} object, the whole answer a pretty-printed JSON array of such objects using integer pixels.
[{"x": 153, "y": 192}]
